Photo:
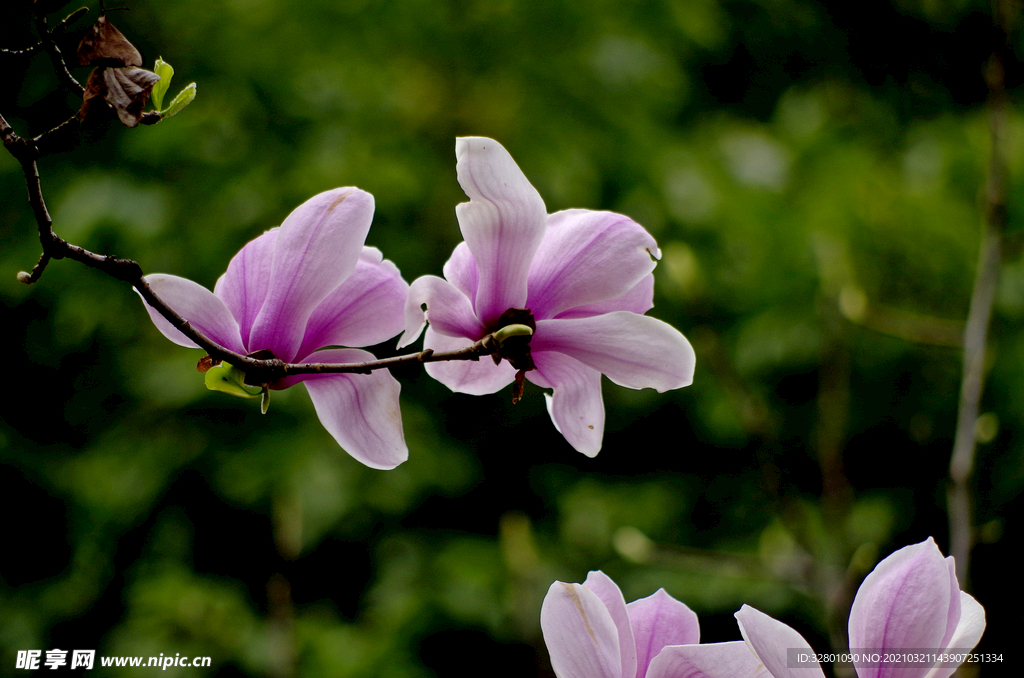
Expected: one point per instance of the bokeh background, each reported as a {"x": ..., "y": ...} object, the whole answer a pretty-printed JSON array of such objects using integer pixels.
[{"x": 813, "y": 173}]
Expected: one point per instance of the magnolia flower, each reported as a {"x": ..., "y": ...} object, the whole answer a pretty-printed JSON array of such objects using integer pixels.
[
  {"x": 911, "y": 602},
  {"x": 591, "y": 632},
  {"x": 307, "y": 285},
  {"x": 580, "y": 280}
]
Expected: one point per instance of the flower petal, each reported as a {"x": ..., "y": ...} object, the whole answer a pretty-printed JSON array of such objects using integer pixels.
[
  {"x": 632, "y": 350},
  {"x": 460, "y": 270},
  {"x": 609, "y": 593},
  {"x": 581, "y": 636},
  {"x": 660, "y": 620},
  {"x": 361, "y": 411},
  {"x": 243, "y": 287},
  {"x": 770, "y": 640},
  {"x": 364, "y": 310},
  {"x": 639, "y": 299},
  {"x": 449, "y": 311},
  {"x": 903, "y": 603},
  {"x": 198, "y": 306},
  {"x": 317, "y": 248},
  {"x": 967, "y": 633},
  {"x": 475, "y": 377},
  {"x": 576, "y": 407},
  {"x": 503, "y": 224},
  {"x": 587, "y": 257},
  {"x": 711, "y": 660}
]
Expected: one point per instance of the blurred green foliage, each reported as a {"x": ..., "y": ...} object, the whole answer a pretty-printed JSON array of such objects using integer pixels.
[{"x": 813, "y": 176}]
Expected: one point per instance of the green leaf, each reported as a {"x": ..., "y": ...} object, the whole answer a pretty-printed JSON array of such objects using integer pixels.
[
  {"x": 164, "y": 70},
  {"x": 183, "y": 99},
  {"x": 227, "y": 378}
]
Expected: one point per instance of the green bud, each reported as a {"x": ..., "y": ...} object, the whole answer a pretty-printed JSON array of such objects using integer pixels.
[
  {"x": 183, "y": 99},
  {"x": 514, "y": 330},
  {"x": 164, "y": 70},
  {"x": 227, "y": 378}
]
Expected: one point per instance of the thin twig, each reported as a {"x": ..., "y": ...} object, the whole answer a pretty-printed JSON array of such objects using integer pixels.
[
  {"x": 257, "y": 371},
  {"x": 28, "y": 51},
  {"x": 961, "y": 464},
  {"x": 59, "y": 66}
]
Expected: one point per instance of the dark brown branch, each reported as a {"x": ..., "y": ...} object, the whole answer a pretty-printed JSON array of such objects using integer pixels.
[
  {"x": 59, "y": 66},
  {"x": 257, "y": 371}
]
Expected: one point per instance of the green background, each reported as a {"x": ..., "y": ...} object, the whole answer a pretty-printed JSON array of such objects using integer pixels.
[{"x": 813, "y": 174}]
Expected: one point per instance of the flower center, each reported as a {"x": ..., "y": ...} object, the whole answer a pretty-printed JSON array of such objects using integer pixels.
[{"x": 516, "y": 349}]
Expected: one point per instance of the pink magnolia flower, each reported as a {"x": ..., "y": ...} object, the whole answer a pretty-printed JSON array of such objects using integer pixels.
[
  {"x": 307, "y": 285},
  {"x": 582, "y": 280},
  {"x": 591, "y": 632},
  {"x": 910, "y": 602}
]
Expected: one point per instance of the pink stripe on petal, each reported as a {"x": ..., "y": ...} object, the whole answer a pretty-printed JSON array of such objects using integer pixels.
[{"x": 503, "y": 224}]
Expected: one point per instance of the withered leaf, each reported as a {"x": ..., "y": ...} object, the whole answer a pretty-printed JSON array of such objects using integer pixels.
[
  {"x": 126, "y": 90},
  {"x": 104, "y": 45}
]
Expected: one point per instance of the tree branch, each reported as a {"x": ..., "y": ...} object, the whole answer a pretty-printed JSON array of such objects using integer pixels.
[{"x": 961, "y": 465}]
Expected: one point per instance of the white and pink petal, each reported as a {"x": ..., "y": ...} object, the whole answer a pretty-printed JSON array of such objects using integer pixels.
[
  {"x": 711, "y": 660},
  {"x": 199, "y": 306},
  {"x": 772, "y": 642},
  {"x": 610, "y": 594},
  {"x": 243, "y": 287},
  {"x": 588, "y": 257},
  {"x": 580, "y": 633},
  {"x": 366, "y": 309},
  {"x": 361, "y": 411},
  {"x": 448, "y": 310},
  {"x": 903, "y": 603},
  {"x": 475, "y": 377},
  {"x": 317, "y": 248},
  {"x": 576, "y": 407},
  {"x": 632, "y": 350},
  {"x": 659, "y": 620},
  {"x": 503, "y": 224},
  {"x": 638, "y": 299}
]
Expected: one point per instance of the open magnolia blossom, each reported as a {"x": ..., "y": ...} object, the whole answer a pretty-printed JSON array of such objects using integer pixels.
[
  {"x": 301, "y": 287},
  {"x": 579, "y": 280},
  {"x": 591, "y": 632},
  {"x": 910, "y": 603}
]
